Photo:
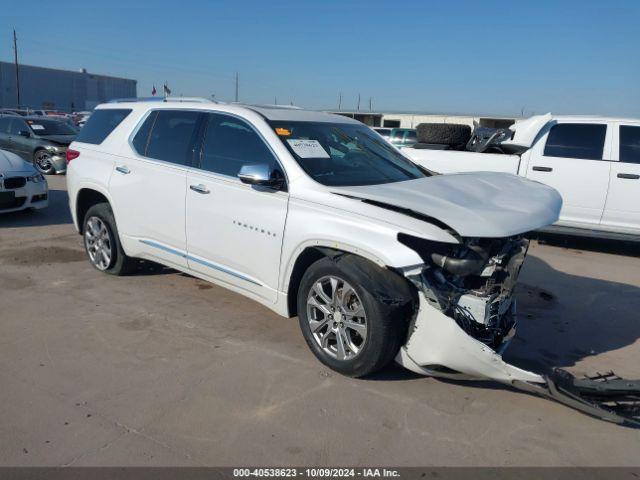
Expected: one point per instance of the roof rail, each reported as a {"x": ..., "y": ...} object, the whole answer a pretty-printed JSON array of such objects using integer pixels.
[
  {"x": 161, "y": 99},
  {"x": 267, "y": 105}
]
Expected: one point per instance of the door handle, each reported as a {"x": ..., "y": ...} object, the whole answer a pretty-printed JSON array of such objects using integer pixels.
[
  {"x": 199, "y": 188},
  {"x": 542, "y": 169},
  {"x": 629, "y": 176},
  {"x": 123, "y": 169}
]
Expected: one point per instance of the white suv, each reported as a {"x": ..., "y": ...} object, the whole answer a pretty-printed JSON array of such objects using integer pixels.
[{"x": 316, "y": 215}]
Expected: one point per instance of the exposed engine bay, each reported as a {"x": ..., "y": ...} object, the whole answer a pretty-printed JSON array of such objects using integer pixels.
[
  {"x": 466, "y": 316},
  {"x": 473, "y": 283}
]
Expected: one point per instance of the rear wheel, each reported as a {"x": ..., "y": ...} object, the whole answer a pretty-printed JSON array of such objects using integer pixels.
[
  {"x": 346, "y": 326},
  {"x": 101, "y": 242}
]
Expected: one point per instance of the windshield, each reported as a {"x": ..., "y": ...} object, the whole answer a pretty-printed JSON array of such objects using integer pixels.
[
  {"x": 51, "y": 127},
  {"x": 342, "y": 154}
]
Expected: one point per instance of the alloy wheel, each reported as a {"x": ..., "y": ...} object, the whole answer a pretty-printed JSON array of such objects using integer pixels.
[
  {"x": 337, "y": 318},
  {"x": 98, "y": 243}
]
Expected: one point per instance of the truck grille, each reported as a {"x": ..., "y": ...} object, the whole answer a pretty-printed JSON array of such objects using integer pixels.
[{"x": 14, "y": 182}]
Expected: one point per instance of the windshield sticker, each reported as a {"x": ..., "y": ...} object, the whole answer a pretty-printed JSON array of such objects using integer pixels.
[
  {"x": 35, "y": 126},
  {"x": 308, "y": 148},
  {"x": 283, "y": 132}
]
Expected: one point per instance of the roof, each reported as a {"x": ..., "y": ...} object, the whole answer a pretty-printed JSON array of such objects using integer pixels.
[{"x": 269, "y": 112}]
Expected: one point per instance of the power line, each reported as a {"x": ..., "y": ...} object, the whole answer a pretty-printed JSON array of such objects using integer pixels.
[{"x": 15, "y": 57}]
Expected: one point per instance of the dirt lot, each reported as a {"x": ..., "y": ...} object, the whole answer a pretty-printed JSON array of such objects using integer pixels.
[{"x": 164, "y": 369}]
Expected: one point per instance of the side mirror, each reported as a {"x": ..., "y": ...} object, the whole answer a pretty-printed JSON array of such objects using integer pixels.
[
  {"x": 261, "y": 175},
  {"x": 24, "y": 133}
]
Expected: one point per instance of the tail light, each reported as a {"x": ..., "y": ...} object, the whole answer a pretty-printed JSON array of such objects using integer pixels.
[{"x": 71, "y": 154}]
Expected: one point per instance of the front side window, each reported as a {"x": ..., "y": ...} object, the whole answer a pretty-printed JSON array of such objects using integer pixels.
[
  {"x": 5, "y": 123},
  {"x": 17, "y": 125},
  {"x": 576, "y": 140},
  {"x": 344, "y": 154},
  {"x": 229, "y": 143},
  {"x": 100, "y": 124},
  {"x": 629, "y": 144},
  {"x": 173, "y": 136}
]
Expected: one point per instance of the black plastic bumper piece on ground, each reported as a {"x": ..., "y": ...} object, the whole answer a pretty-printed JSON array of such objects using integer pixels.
[{"x": 604, "y": 396}]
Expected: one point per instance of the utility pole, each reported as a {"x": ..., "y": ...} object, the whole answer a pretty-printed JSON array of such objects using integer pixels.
[
  {"x": 370, "y": 104},
  {"x": 15, "y": 57},
  {"x": 358, "y": 109},
  {"x": 340, "y": 102},
  {"x": 275, "y": 100},
  {"x": 236, "y": 87}
]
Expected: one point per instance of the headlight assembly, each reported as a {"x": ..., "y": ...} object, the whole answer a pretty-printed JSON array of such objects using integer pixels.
[{"x": 37, "y": 178}]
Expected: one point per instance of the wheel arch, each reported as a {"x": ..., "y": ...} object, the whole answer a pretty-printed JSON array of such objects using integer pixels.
[
  {"x": 85, "y": 199},
  {"x": 310, "y": 254}
]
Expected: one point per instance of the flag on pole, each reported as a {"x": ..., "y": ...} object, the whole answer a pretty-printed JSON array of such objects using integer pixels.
[
  {"x": 166, "y": 89},
  {"x": 153, "y": 92}
]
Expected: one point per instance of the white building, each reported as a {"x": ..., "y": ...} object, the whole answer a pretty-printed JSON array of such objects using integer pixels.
[{"x": 412, "y": 120}]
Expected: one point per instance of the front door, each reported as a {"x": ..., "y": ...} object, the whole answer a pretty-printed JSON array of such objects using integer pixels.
[
  {"x": 622, "y": 210},
  {"x": 571, "y": 157},
  {"x": 234, "y": 230}
]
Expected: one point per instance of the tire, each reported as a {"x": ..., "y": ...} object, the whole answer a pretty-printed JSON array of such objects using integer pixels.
[
  {"x": 443, "y": 133},
  {"x": 42, "y": 162},
  {"x": 100, "y": 233},
  {"x": 381, "y": 324}
]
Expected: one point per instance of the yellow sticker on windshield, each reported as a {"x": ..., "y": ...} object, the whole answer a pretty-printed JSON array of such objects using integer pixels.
[{"x": 283, "y": 132}]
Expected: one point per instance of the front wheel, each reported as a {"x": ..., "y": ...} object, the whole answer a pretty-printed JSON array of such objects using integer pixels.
[
  {"x": 347, "y": 325},
  {"x": 42, "y": 162}
]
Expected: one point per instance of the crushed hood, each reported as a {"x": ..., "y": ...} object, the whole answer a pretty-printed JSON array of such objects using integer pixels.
[
  {"x": 480, "y": 204},
  {"x": 10, "y": 162}
]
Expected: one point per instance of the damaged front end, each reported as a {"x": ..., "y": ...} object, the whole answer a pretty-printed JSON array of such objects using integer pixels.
[{"x": 467, "y": 315}]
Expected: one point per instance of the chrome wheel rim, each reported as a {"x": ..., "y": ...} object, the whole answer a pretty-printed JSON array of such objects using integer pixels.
[
  {"x": 337, "y": 318},
  {"x": 98, "y": 243},
  {"x": 43, "y": 162}
]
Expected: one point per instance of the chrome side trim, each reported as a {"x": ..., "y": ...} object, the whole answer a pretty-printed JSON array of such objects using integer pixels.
[{"x": 220, "y": 268}]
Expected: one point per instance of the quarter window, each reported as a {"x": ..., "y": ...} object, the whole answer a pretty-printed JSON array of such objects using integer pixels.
[
  {"x": 230, "y": 143},
  {"x": 173, "y": 136},
  {"x": 629, "y": 144},
  {"x": 101, "y": 123},
  {"x": 576, "y": 140},
  {"x": 141, "y": 140}
]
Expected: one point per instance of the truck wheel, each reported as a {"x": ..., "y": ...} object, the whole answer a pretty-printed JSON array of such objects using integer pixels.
[
  {"x": 443, "y": 133},
  {"x": 347, "y": 327},
  {"x": 101, "y": 241}
]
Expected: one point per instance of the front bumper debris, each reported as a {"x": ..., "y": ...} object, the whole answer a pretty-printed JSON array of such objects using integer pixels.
[{"x": 438, "y": 347}]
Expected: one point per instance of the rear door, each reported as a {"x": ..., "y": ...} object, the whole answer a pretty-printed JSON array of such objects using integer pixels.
[
  {"x": 148, "y": 187},
  {"x": 573, "y": 158},
  {"x": 234, "y": 230},
  {"x": 622, "y": 210}
]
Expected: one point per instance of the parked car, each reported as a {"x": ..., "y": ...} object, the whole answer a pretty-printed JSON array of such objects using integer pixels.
[
  {"x": 594, "y": 162},
  {"x": 314, "y": 215},
  {"x": 403, "y": 137},
  {"x": 41, "y": 141},
  {"x": 21, "y": 185}
]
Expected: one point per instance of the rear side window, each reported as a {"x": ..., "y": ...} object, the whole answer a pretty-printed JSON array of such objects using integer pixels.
[
  {"x": 629, "y": 144},
  {"x": 576, "y": 140},
  {"x": 173, "y": 136},
  {"x": 101, "y": 124},
  {"x": 141, "y": 139},
  {"x": 230, "y": 143}
]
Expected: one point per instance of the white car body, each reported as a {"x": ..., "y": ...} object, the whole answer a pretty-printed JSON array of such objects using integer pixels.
[
  {"x": 600, "y": 196},
  {"x": 21, "y": 186},
  {"x": 252, "y": 239}
]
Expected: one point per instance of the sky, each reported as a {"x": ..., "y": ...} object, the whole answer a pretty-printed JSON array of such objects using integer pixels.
[{"x": 469, "y": 57}]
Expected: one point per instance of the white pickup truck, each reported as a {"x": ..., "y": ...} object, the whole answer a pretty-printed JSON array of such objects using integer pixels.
[{"x": 594, "y": 162}]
